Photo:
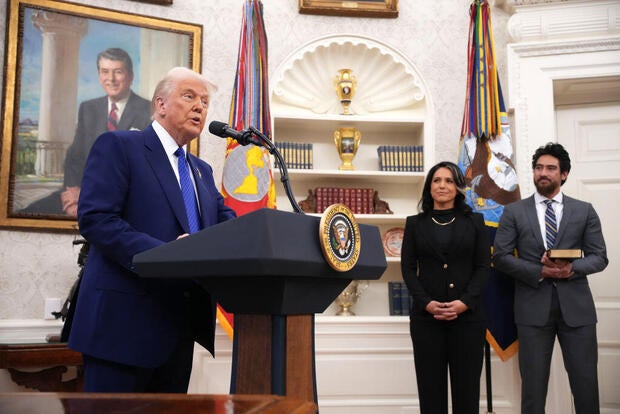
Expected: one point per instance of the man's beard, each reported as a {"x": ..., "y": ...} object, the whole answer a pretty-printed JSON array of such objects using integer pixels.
[{"x": 546, "y": 189}]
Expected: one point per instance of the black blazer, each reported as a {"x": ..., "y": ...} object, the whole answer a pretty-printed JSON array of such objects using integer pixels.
[{"x": 459, "y": 274}]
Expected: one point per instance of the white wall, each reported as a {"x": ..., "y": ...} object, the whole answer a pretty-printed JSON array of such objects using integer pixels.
[
  {"x": 432, "y": 34},
  {"x": 35, "y": 265}
]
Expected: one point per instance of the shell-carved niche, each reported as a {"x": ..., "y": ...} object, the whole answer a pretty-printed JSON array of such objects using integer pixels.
[{"x": 386, "y": 82}]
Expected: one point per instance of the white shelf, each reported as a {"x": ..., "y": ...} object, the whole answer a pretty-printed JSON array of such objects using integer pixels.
[
  {"x": 377, "y": 219},
  {"x": 371, "y": 177},
  {"x": 374, "y": 123}
]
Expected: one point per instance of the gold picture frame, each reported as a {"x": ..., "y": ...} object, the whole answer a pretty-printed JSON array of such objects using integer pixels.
[
  {"x": 356, "y": 8},
  {"x": 160, "y": 2},
  {"x": 50, "y": 69}
]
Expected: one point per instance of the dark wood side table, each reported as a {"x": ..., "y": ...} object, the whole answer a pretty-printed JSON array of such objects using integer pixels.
[
  {"x": 41, "y": 366},
  {"x": 95, "y": 403}
]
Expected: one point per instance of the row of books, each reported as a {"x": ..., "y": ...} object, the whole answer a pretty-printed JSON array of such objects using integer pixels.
[
  {"x": 359, "y": 200},
  {"x": 408, "y": 158},
  {"x": 399, "y": 298},
  {"x": 296, "y": 155}
]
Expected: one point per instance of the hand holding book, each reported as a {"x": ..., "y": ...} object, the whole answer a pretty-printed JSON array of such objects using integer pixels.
[
  {"x": 555, "y": 268},
  {"x": 564, "y": 254}
]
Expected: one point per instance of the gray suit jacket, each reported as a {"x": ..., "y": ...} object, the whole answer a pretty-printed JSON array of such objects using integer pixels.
[
  {"x": 92, "y": 122},
  {"x": 580, "y": 228}
]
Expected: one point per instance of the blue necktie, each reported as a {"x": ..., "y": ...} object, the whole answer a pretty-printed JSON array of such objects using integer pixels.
[
  {"x": 551, "y": 227},
  {"x": 187, "y": 188}
]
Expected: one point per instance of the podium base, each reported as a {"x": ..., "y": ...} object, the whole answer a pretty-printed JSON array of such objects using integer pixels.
[{"x": 274, "y": 354}]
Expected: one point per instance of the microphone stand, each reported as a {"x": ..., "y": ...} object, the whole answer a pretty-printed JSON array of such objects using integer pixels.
[{"x": 266, "y": 143}]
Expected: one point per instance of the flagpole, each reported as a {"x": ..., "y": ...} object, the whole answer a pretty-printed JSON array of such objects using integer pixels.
[
  {"x": 484, "y": 124},
  {"x": 487, "y": 366}
]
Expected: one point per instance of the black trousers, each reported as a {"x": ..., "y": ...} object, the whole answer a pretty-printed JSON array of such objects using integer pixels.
[{"x": 448, "y": 347}]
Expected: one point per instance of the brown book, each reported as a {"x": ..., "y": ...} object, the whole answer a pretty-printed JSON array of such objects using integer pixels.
[
  {"x": 347, "y": 199},
  {"x": 358, "y": 201},
  {"x": 320, "y": 199},
  {"x": 565, "y": 254}
]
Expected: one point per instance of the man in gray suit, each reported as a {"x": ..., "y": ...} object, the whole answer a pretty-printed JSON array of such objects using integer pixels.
[{"x": 552, "y": 297}]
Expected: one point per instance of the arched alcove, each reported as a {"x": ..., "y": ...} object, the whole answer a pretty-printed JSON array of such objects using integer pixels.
[{"x": 388, "y": 84}]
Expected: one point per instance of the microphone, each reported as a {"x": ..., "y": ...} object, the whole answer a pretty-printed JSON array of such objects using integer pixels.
[{"x": 222, "y": 130}]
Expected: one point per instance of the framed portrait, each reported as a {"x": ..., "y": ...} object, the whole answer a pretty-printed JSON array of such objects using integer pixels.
[
  {"x": 57, "y": 78},
  {"x": 357, "y": 8}
]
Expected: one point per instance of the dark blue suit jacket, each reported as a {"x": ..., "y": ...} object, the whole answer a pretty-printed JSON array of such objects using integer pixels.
[{"x": 131, "y": 201}]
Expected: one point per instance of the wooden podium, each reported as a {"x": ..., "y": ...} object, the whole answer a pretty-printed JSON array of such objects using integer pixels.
[{"x": 267, "y": 267}]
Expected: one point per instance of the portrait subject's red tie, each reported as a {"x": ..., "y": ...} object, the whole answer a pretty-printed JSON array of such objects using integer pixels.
[{"x": 113, "y": 118}]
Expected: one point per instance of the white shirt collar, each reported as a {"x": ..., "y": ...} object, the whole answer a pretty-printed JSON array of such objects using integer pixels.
[
  {"x": 170, "y": 145},
  {"x": 539, "y": 198},
  {"x": 120, "y": 105}
]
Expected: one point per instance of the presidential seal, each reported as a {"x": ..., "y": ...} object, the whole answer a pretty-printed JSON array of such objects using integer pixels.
[{"x": 340, "y": 237}]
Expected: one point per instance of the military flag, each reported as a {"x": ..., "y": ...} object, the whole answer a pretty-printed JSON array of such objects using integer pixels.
[
  {"x": 485, "y": 157},
  {"x": 247, "y": 180}
]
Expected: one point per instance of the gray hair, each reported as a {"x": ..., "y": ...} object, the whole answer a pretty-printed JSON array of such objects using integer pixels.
[{"x": 165, "y": 86}]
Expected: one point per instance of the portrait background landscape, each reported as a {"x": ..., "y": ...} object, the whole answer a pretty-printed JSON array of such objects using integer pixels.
[{"x": 50, "y": 68}]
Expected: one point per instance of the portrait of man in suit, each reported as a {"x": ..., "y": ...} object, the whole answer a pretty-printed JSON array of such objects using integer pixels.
[
  {"x": 119, "y": 109},
  {"x": 552, "y": 296},
  {"x": 70, "y": 66}
]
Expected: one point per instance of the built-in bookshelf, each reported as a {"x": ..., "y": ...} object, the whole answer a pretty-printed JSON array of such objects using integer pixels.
[{"x": 389, "y": 111}]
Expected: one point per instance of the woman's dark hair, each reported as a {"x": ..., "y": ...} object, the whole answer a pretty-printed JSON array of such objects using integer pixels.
[
  {"x": 556, "y": 151},
  {"x": 426, "y": 203}
]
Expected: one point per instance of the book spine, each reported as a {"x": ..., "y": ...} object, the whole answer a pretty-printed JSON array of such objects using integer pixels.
[
  {"x": 347, "y": 199},
  {"x": 405, "y": 303},
  {"x": 394, "y": 298},
  {"x": 320, "y": 200}
]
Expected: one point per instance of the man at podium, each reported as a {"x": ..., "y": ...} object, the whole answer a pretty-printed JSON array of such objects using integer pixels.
[{"x": 142, "y": 189}]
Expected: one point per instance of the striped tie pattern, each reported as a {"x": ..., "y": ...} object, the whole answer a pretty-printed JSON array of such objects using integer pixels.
[
  {"x": 551, "y": 226},
  {"x": 187, "y": 188},
  {"x": 113, "y": 118}
]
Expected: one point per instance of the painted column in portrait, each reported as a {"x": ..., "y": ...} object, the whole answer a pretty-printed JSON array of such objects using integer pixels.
[{"x": 59, "y": 82}]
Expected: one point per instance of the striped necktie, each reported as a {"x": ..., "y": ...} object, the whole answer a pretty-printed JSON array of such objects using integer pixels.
[
  {"x": 113, "y": 118},
  {"x": 189, "y": 195},
  {"x": 551, "y": 226}
]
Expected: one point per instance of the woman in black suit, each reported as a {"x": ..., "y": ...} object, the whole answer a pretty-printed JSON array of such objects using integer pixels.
[{"x": 445, "y": 263}]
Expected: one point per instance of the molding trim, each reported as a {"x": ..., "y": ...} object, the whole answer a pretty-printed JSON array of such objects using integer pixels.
[
  {"x": 28, "y": 330},
  {"x": 533, "y": 66},
  {"x": 564, "y": 46}
]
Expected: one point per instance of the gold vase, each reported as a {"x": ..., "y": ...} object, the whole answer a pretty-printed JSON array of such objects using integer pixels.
[
  {"x": 349, "y": 296},
  {"x": 347, "y": 142},
  {"x": 345, "y": 84}
]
